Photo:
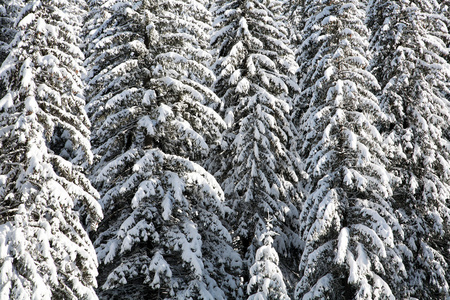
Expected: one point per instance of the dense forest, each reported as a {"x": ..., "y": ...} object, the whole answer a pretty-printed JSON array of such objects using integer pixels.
[{"x": 224, "y": 149}]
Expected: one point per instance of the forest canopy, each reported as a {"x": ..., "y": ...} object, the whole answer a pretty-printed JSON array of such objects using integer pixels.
[{"x": 224, "y": 149}]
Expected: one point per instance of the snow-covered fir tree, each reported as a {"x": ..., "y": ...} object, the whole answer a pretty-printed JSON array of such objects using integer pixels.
[
  {"x": 347, "y": 221},
  {"x": 409, "y": 61},
  {"x": 45, "y": 253},
  {"x": 9, "y": 9},
  {"x": 266, "y": 278},
  {"x": 8, "y": 14},
  {"x": 162, "y": 236},
  {"x": 257, "y": 171},
  {"x": 292, "y": 11},
  {"x": 442, "y": 16}
]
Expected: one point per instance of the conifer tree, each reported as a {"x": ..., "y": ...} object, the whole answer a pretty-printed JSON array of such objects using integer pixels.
[
  {"x": 162, "y": 236},
  {"x": 45, "y": 253},
  {"x": 347, "y": 222},
  {"x": 442, "y": 16},
  {"x": 9, "y": 10},
  {"x": 266, "y": 281},
  {"x": 257, "y": 171},
  {"x": 409, "y": 60}
]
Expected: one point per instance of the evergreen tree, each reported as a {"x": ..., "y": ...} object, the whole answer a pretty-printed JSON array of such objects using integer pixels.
[
  {"x": 409, "y": 60},
  {"x": 45, "y": 253},
  {"x": 257, "y": 171},
  {"x": 347, "y": 221},
  {"x": 162, "y": 236},
  {"x": 442, "y": 16},
  {"x": 292, "y": 10},
  {"x": 8, "y": 12},
  {"x": 266, "y": 281}
]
